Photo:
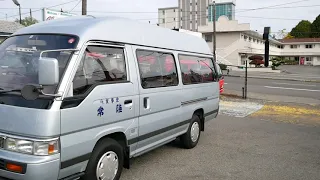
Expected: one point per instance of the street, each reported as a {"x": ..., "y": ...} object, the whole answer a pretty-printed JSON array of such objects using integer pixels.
[
  {"x": 275, "y": 87},
  {"x": 236, "y": 148}
]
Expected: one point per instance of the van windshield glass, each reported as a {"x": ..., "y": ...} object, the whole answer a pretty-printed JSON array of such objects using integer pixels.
[{"x": 19, "y": 56}]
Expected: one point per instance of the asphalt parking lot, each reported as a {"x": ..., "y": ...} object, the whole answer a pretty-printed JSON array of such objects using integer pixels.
[{"x": 237, "y": 148}]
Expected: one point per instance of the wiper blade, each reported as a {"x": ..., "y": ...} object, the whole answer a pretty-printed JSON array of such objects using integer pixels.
[{"x": 13, "y": 90}]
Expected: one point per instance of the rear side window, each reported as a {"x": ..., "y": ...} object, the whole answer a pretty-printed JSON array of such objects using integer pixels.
[
  {"x": 196, "y": 70},
  {"x": 157, "y": 69}
]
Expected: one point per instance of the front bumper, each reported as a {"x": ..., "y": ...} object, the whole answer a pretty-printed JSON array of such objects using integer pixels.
[{"x": 37, "y": 167}]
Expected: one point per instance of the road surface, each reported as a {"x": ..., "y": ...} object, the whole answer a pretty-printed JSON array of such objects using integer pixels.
[
  {"x": 275, "y": 87},
  {"x": 236, "y": 148}
]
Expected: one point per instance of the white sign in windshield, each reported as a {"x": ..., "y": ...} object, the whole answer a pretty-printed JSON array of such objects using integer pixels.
[{"x": 49, "y": 14}]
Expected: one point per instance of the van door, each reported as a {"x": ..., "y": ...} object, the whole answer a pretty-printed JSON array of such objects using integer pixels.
[
  {"x": 160, "y": 98},
  {"x": 104, "y": 100}
]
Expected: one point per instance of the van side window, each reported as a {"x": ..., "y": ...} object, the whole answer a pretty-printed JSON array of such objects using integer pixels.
[
  {"x": 99, "y": 65},
  {"x": 196, "y": 70},
  {"x": 157, "y": 69}
]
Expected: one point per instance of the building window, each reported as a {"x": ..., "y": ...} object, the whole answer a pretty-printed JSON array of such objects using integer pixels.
[
  {"x": 191, "y": 4},
  {"x": 181, "y": 10},
  {"x": 208, "y": 37},
  {"x": 280, "y": 46},
  {"x": 174, "y": 10},
  {"x": 163, "y": 12},
  {"x": 293, "y": 46},
  {"x": 181, "y": 19},
  {"x": 191, "y": 12},
  {"x": 195, "y": 70},
  {"x": 190, "y": 21},
  {"x": 309, "y": 46},
  {"x": 163, "y": 21},
  {"x": 245, "y": 38},
  {"x": 99, "y": 65},
  {"x": 157, "y": 69},
  {"x": 308, "y": 59},
  {"x": 174, "y": 19},
  {"x": 196, "y": 4}
]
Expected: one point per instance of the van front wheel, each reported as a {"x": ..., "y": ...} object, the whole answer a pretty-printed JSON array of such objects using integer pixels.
[
  {"x": 191, "y": 138},
  {"x": 106, "y": 161}
]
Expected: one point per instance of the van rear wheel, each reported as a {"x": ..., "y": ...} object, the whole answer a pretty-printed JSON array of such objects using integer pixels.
[
  {"x": 191, "y": 138},
  {"x": 106, "y": 161}
]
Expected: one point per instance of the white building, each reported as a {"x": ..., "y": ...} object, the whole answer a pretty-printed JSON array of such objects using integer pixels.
[
  {"x": 190, "y": 14},
  {"x": 236, "y": 42},
  {"x": 169, "y": 17}
]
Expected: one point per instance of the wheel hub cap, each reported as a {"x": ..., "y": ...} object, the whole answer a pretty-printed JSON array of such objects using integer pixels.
[
  {"x": 195, "y": 130},
  {"x": 107, "y": 167}
]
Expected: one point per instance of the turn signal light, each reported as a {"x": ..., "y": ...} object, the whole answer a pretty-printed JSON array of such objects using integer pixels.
[{"x": 14, "y": 168}]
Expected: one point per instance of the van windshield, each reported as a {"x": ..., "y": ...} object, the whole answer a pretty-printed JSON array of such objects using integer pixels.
[{"x": 19, "y": 56}]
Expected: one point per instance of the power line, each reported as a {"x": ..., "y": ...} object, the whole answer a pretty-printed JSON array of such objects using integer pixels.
[
  {"x": 41, "y": 8},
  {"x": 150, "y": 12},
  {"x": 275, "y": 5},
  {"x": 75, "y": 6}
]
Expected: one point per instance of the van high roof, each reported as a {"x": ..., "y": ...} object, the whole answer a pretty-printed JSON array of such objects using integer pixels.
[{"x": 115, "y": 29}]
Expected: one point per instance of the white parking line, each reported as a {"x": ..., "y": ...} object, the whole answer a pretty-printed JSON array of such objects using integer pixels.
[
  {"x": 295, "y": 84},
  {"x": 311, "y": 90}
]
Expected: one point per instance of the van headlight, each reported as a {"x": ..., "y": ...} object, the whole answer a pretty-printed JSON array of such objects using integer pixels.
[{"x": 39, "y": 148}]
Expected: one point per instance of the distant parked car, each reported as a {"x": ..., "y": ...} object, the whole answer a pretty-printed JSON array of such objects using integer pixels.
[{"x": 220, "y": 77}]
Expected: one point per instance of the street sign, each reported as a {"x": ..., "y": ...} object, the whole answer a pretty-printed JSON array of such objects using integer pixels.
[{"x": 49, "y": 14}]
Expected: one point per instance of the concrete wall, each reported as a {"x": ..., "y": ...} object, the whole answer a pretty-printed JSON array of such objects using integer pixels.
[
  {"x": 316, "y": 61},
  {"x": 223, "y": 39}
]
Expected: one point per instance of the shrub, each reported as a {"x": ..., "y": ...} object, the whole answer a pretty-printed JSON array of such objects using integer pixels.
[{"x": 223, "y": 66}]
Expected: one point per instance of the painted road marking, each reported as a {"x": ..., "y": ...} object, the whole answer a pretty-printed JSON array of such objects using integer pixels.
[
  {"x": 295, "y": 84},
  {"x": 296, "y": 89},
  {"x": 238, "y": 109},
  {"x": 225, "y": 83}
]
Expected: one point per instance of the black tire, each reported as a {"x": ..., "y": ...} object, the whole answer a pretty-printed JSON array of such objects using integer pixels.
[
  {"x": 185, "y": 139},
  {"x": 101, "y": 148}
]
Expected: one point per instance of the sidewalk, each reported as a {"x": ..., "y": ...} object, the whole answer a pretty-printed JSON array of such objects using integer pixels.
[
  {"x": 273, "y": 98},
  {"x": 278, "y": 76}
]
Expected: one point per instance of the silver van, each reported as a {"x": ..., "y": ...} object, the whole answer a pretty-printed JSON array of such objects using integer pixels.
[{"x": 80, "y": 96}]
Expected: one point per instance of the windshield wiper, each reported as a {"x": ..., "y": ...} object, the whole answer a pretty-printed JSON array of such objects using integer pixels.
[{"x": 13, "y": 90}]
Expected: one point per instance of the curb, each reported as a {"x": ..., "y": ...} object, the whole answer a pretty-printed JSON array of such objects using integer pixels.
[{"x": 287, "y": 79}]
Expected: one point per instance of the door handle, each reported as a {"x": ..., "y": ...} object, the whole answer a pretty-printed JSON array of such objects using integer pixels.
[
  {"x": 128, "y": 102},
  {"x": 146, "y": 103}
]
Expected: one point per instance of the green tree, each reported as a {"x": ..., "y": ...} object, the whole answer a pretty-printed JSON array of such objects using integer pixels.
[
  {"x": 27, "y": 21},
  {"x": 315, "y": 28},
  {"x": 302, "y": 30},
  {"x": 288, "y": 36}
]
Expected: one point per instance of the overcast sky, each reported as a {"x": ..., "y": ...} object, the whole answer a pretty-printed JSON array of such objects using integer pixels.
[{"x": 150, "y": 8}]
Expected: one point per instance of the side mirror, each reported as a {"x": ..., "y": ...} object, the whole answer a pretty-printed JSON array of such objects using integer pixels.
[{"x": 48, "y": 71}]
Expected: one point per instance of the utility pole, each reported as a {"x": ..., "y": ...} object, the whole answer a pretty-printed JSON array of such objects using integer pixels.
[
  {"x": 30, "y": 13},
  {"x": 214, "y": 29},
  {"x": 84, "y": 7}
]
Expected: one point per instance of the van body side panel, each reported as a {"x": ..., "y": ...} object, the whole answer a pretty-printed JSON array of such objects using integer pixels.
[
  {"x": 83, "y": 126},
  {"x": 162, "y": 114},
  {"x": 97, "y": 116},
  {"x": 29, "y": 122},
  {"x": 200, "y": 96}
]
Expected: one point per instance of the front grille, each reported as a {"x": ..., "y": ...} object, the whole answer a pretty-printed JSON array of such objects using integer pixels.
[
  {"x": 1, "y": 164},
  {"x": 1, "y": 142}
]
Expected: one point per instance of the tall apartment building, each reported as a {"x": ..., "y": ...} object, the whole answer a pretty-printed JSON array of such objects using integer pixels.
[
  {"x": 169, "y": 17},
  {"x": 194, "y": 13}
]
